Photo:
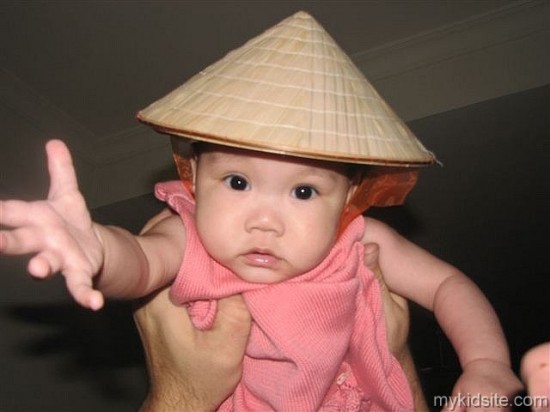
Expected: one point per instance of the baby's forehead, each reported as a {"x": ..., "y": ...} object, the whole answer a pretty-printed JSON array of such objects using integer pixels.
[{"x": 237, "y": 156}]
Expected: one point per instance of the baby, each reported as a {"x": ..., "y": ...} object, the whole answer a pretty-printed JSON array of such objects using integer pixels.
[{"x": 276, "y": 217}]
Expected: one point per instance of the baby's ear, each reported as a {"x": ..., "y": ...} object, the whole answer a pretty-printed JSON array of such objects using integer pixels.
[
  {"x": 183, "y": 153},
  {"x": 356, "y": 174},
  {"x": 351, "y": 191},
  {"x": 193, "y": 162}
]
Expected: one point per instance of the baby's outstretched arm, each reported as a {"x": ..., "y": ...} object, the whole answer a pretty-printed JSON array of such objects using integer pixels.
[
  {"x": 465, "y": 315},
  {"x": 59, "y": 234}
]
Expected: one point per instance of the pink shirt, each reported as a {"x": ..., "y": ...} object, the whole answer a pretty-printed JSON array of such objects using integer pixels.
[{"x": 318, "y": 341}]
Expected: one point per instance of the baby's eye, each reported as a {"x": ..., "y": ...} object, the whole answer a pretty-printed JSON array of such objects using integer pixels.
[
  {"x": 304, "y": 192},
  {"x": 236, "y": 182}
]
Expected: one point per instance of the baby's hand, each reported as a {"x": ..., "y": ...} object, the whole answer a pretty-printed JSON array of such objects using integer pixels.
[
  {"x": 485, "y": 385},
  {"x": 58, "y": 231}
]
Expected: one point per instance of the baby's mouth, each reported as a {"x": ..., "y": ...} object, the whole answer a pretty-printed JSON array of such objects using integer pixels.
[{"x": 261, "y": 258}]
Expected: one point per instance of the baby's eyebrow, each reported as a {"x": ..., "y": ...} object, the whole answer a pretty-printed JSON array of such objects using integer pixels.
[
  {"x": 222, "y": 158},
  {"x": 320, "y": 172}
]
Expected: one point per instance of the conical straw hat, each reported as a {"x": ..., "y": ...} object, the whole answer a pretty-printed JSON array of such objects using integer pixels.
[{"x": 290, "y": 90}]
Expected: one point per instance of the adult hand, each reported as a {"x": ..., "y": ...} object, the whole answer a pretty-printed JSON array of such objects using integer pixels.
[
  {"x": 191, "y": 370},
  {"x": 58, "y": 231},
  {"x": 396, "y": 314}
]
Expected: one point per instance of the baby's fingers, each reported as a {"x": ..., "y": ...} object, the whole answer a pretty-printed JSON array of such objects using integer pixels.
[
  {"x": 44, "y": 264},
  {"x": 20, "y": 241},
  {"x": 60, "y": 166},
  {"x": 79, "y": 283},
  {"x": 81, "y": 288},
  {"x": 15, "y": 213}
]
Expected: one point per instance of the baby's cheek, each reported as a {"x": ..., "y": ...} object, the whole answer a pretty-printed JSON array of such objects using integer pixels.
[
  {"x": 208, "y": 234},
  {"x": 318, "y": 248}
]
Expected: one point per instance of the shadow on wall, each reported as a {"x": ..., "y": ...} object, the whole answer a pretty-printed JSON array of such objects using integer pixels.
[{"x": 95, "y": 345}]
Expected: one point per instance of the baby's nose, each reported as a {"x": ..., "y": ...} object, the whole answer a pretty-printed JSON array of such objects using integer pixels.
[{"x": 266, "y": 217}]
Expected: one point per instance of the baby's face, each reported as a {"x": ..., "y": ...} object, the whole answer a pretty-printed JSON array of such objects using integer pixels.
[{"x": 267, "y": 217}]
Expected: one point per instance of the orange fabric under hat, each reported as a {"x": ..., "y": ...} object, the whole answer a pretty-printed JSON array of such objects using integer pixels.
[{"x": 381, "y": 186}]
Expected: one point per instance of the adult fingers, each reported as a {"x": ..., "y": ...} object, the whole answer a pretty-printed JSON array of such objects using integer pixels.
[
  {"x": 157, "y": 311},
  {"x": 371, "y": 258},
  {"x": 233, "y": 310},
  {"x": 159, "y": 305},
  {"x": 535, "y": 372},
  {"x": 233, "y": 320},
  {"x": 395, "y": 307},
  {"x": 535, "y": 359}
]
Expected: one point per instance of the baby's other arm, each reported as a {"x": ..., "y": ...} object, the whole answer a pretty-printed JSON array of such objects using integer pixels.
[{"x": 460, "y": 307}]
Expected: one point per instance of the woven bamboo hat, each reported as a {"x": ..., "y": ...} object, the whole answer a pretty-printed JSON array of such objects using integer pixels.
[{"x": 291, "y": 90}]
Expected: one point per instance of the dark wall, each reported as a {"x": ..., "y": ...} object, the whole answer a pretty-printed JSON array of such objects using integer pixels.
[{"x": 482, "y": 211}]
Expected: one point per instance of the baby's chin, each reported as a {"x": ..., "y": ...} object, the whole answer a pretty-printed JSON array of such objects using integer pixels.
[{"x": 261, "y": 275}]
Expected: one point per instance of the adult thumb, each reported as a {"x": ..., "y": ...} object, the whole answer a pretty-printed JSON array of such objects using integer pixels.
[
  {"x": 371, "y": 257},
  {"x": 233, "y": 320}
]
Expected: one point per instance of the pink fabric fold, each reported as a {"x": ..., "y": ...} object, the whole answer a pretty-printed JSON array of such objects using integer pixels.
[{"x": 318, "y": 341}]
